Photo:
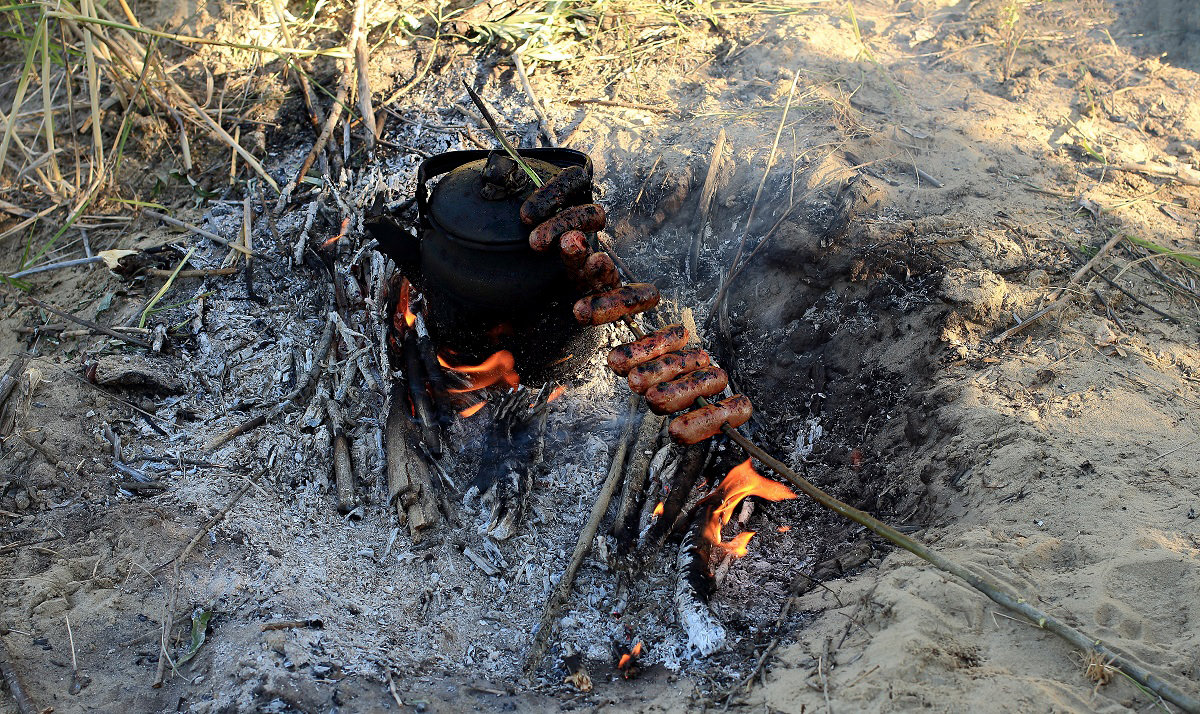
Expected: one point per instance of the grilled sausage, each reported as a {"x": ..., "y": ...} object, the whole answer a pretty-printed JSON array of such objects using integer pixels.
[
  {"x": 554, "y": 195},
  {"x": 669, "y": 366},
  {"x": 614, "y": 304},
  {"x": 574, "y": 248},
  {"x": 600, "y": 272},
  {"x": 700, "y": 424},
  {"x": 625, "y": 357},
  {"x": 585, "y": 218},
  {"x": 678, "y": 394}
]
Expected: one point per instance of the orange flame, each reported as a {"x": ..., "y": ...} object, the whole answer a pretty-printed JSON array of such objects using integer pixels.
[
  {"x": 626, "y": 659},
  {"x": 741, "y": 482},
  {"x": 497, "y": 368},
  {"x": 472, "y": 410},
  {"x": 554, "y": 394},
  {"x": 404, "y": 315},
  {"x": 783, "y": 529},
  {"x": 658, "y": 510}
]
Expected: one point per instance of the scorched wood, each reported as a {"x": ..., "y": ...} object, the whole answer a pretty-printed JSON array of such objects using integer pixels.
[{"x": 409, "y": 484}]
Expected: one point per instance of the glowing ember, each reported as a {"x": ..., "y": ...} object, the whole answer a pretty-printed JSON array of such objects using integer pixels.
[
  {"x": 783, "y": 529},
  {"x": 472, "y": 410},
  {"x": 741, "y": 482},
  {"x": 340, "y": 234},
  {"x": 404, "y": 315},
  {"x": 497, "y": 368},
  {"x": 658, "y": 510}
]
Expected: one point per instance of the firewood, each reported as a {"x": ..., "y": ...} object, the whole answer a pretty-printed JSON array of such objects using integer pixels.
[
  {"x": 409, "y": 484},
  {"x": 625, "y": 525}
]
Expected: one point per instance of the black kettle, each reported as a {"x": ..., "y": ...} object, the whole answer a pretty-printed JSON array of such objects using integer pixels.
[{"x": 485, "y": 288}]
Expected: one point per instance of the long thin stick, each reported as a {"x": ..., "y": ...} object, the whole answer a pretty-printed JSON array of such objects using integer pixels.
[
  {"x": 993, "y": 591},
  {"x": 559, "y": 597},
  {"x": 361, "y": 57},
  {"x": 198, "y": 231},
  {"x": 491, "y": 122},
  {"x": 1060, "y": 297},
  {"x": 339, "y": 103},
  {"x": 547, "y": 125},
  {"x": 88, "y": 323},
  {"x": 717, "y": 304}
]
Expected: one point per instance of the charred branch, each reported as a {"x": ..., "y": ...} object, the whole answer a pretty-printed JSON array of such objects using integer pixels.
[
  {"x": 515, "y": 448},
  {"x": 418, "y": 391},
  {"x": 625, "y": 526},
  {"x": 694, "y": 586},
  {"x": 410, "y": 486},
  {"x": 691, "y": 465}
]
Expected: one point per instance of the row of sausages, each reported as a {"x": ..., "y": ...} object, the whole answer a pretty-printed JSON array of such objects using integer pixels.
[{"x": 659, "y": 365}]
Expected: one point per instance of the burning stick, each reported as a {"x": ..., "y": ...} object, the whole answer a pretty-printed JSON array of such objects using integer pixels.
[
  {"x": 418, "y": 392},
  {"x": 695, "y": 583},
  {"x": 433, "y": 370},
  {"x": 691, "y": 465}
]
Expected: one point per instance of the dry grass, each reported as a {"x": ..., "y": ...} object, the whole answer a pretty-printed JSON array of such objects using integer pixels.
[{"x": 100, "y": 100}]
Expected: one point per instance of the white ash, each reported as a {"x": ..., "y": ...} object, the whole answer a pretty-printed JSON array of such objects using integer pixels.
[{"x": 386, "y": 602}]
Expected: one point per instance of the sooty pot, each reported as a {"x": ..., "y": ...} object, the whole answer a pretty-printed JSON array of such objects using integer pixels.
[{"x": 485, "y": 288}]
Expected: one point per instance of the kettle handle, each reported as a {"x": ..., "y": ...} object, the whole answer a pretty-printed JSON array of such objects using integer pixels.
[{"x": 443, "y": 163}]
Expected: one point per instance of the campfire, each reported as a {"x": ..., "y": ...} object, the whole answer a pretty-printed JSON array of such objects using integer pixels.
[{"x": 462, "y": 365}]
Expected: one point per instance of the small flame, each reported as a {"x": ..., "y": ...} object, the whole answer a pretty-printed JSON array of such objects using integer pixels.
[
  {"x": 741, "y": 482},
  {"x": 472, "y": 410},
  {"x": 658, "y": 510},
  {"x": 404, "y": 315},
  {"x": 627, "y": 659},
  {"x": 340, "y": 234},
  {"x": 497, "y": 368},
  {"x": 783, "y": 529},
  {"x": 554, "y": 394}
]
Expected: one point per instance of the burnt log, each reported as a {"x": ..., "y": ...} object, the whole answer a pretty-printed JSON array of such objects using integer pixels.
[
  {"x": 410, "y": 486},
  {"x": 694, "y": 586},
  {"x": 515, "y": 450},
  {"x": 691, "y": 465},
  {"x": 625, "y": 526}
]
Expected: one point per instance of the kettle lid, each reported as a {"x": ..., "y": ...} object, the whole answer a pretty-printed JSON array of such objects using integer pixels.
[{"x": 460, "y": 207}]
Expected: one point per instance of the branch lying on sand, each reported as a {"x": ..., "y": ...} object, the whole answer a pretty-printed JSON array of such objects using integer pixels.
[{"x": 992, "y": 590}]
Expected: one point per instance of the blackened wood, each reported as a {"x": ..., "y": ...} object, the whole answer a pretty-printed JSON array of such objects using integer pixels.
[
  {"x": 625, "y": 526},
  {"x": 418, "y": 392},
  {"x": 691, "y": 465}
]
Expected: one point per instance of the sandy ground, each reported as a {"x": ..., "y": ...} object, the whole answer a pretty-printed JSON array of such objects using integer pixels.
[{"x": 1061, "y": 461}]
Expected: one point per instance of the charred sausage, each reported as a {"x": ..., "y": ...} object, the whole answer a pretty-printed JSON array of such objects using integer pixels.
[
  {"x": 554, "y": 195},
  {"x": 612, "y": 305},
  {"x": 678, "y": 394},
  {"x": 600, "y": 272},
  {"x": 625, "y": 357},
  {"x": 669, "y": 366},
  {"x": 585, "y": 218},
  {"x": 574, "y": 248},
  {"x": 699, "y": 424}
]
